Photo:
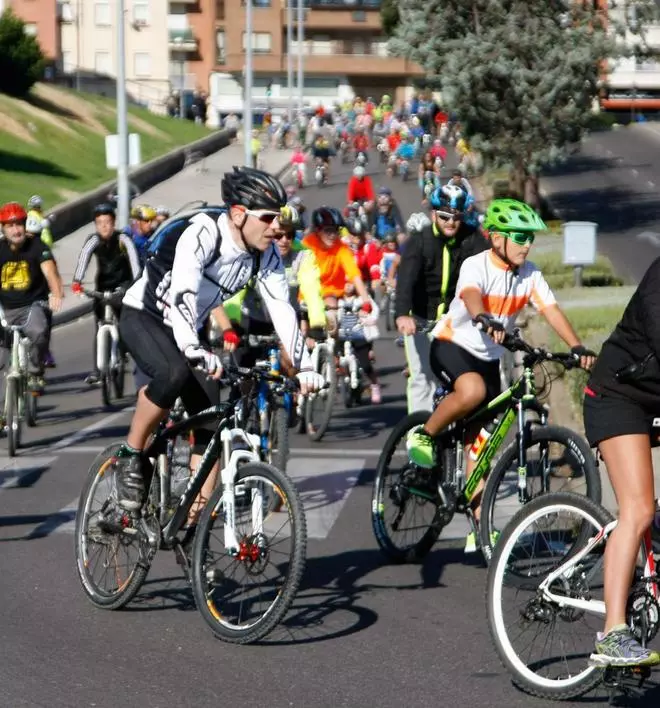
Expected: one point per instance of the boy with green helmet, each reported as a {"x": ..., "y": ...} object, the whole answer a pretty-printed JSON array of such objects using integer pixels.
[{"x": 493, "y": 287}]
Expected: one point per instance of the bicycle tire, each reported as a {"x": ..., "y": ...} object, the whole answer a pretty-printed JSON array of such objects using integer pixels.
[
  {"x": 316, "y": 432},
  {"x": 522, "y": 675},
  {"x": 217, "y": 619},
  {"x": 539, "y": 434},
  {"x": 118, "y": 376},
  {"x": 30, "y": 407},
  {"x": 410, "y": 553},
  {"x": 128, "y": 588},
  {"x": 13, "y": 421},
  {"x": 278, "y": 452},
  {"x": 106, "y": 372}
]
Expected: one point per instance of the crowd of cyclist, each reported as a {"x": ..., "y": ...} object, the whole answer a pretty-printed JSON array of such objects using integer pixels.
[{"x": 258, "y": 264}]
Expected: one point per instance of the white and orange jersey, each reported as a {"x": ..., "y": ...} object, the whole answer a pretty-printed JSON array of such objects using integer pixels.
[{"x": 504, "y": 292}]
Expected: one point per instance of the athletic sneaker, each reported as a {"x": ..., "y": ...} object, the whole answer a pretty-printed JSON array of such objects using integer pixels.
[
  {"x": 375, "y": 393},
  {"x": 421, "y": 449},
  {"x": 471, "y": 541},
  {"x": 619, "y": 648},
  {"x": 128, "y": 479}
]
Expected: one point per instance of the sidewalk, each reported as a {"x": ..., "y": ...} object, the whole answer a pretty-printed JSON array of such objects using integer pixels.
[{"x": 200, "y": 181}]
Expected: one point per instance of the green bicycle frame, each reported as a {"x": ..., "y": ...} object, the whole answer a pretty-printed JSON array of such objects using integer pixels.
[{"x": 517, "y": 399}]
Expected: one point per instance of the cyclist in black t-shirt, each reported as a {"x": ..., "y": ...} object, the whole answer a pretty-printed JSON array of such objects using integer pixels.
[
  {"x": 117, "y": 267},
  {"x": 28, "y": 280}
]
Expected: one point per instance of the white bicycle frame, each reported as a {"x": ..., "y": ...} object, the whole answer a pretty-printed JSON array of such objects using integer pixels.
[
  {"x": 20, "y": 352},
  {"x": 566, "y": 570},
  {"x": 248, "y": 453},
  {"x": 108, "y": 329}
]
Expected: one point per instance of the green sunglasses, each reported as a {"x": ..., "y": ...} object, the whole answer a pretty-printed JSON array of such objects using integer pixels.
[{"x": 520, "y": 238}]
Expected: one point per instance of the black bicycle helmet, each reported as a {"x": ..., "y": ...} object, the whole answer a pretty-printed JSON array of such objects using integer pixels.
[
  {"x": 103, "y": 209},
  {"x": 253, "y": 189},
  {"x": 327, "y": 217}
]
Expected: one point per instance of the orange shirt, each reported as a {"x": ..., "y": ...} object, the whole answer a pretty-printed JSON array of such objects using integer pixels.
[{"x": 336, "y": 265}]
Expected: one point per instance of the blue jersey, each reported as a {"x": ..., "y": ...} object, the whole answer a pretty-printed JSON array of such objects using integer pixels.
[
  {"x": 405, "y": 151},
  {"x": 384, "y": 223}
]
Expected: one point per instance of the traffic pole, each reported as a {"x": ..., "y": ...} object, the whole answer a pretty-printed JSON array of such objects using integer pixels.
[
  {"x": 247, "y": 108},
  {"x": 123, "y": 194}
]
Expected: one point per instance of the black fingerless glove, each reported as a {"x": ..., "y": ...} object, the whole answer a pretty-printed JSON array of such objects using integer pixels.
[
  {"x": 486, "y": 322},
  {"x": 580, "y": 350}
]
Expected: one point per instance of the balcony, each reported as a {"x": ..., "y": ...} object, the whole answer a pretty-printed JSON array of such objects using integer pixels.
[
  {"x": 325, "y": 14},
  {"x": 182, "y": 40},
  {"x": 359, "y": 65}
]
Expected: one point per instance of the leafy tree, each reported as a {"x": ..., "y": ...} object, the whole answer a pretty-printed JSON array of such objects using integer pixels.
[
  {"x": 389, "y": 14},
  {"x": 21, "y": 59},
  {"x": 522, "y": 75}
]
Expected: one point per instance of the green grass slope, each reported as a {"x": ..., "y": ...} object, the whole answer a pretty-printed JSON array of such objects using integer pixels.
[{"x": 53, "y": 143}]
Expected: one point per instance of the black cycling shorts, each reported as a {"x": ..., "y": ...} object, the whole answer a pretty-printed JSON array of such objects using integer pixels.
[
  {"x": 610, "y": 416},
  {"x": 151, "y": 344},
  {"x": 449, "y": 361}
]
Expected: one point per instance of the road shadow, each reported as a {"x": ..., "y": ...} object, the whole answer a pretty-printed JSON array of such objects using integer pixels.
[
  {"x": 171, "y": 593},
  {"x": 615, "y": 209},
  {"x": 32, "y": 165},
  {"x": 333, "y": 599},
  {"x": 110, "y": 434}
]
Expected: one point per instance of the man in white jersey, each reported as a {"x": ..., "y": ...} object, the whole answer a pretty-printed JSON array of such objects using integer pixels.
[
  {"x": 192, "y": 271},
  {"x": 493, "y": 287}
]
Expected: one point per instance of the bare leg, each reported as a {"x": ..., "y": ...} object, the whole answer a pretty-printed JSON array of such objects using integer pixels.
[
  {"x": 630, "y": 468},
  {"x": 469, "y": 391},
  {"x": 145, "y": 420},
  {"x": 206, "y": 491}
]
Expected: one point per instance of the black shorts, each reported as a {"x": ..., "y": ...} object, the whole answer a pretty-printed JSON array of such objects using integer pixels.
[
  {"x": 449, "y": 361},
  {"x": 151, "y": 344},
  {"x": 610, "y": 416}
]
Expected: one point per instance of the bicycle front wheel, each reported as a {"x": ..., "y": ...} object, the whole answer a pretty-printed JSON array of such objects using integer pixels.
[
  {"x": 558, "y": 460},
  {"x": 13, "y": 417},
  {"x": 544, "y": 643},
  {"x": 278, "y": 439},
  {"x": 243, "y": 593},
  {"x": 318, "y": 409},
  {"x": 112, "y": 556},
  {"x": 404, "y": 502}
]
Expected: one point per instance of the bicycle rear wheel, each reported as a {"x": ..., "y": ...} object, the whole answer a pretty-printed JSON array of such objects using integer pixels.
[
  {"x": 242, "y": 595},
  {"x": 318, "y": 408},
  {"x": 558, "y": 460},
  {"x": 13, "y": 417},
  {"x": 546, "y": 646},
  {"x": 30, "y": 399},
  {"x": 112, "y": 555},
  {"x": 404, "y": 503}
]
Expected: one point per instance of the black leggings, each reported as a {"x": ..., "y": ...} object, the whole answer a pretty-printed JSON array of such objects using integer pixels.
[{"x": 151, "y": 344}]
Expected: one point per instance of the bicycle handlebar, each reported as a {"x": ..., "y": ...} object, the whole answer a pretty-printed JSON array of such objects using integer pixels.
[{"x": 106, "y": 295}]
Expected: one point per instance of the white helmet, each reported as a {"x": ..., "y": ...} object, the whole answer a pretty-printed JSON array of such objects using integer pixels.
[
  {"x": 35, "y": 202},
  {"x": 453, "y": 191},
  {"x": 34, "y": 224},
  {"x": 359, "y": 172}
]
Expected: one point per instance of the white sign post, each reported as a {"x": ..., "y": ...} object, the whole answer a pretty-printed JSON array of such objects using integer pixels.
[
  {"x": 112, "y": 151},
  {"x": 579, "y": 246}
]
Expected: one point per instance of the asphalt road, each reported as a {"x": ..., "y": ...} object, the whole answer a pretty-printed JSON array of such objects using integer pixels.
[
  {"x": 362, "y": 633},
  {"x": 615, "y": 181}
]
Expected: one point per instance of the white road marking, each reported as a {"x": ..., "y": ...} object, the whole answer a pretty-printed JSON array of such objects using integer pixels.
[
  {"x": 651, "y": 236},
  {"x": 64, "y": 521},
  {"x": 635, "y": 173},
  {"x": 87, "y": 432},
  {"x": 15, "y": 470},
  {"x": 323, "y": 492},
  {"x": 609, "y": 153},
  {"x": 651, "y": 184}
]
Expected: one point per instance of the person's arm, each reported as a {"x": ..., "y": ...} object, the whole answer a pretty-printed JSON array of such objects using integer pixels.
[
  {"x": 194, "y": 251},
  {"x": 273, "y": 288},
  {"x": 52, "y": 275},
  {"x": 84, "y": 257},
  {"x": 410, "y": 268},
  {"x": 309, "y": 281},
  {"x": 132, "y": 254}
]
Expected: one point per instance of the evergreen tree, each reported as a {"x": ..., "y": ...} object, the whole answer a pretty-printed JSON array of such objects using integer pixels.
[
  {"x": 522, "y": 75},
  {"x": 21, "y": 59}
]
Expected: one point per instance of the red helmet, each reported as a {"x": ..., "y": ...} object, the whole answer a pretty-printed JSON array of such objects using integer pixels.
[{"x": 12, "y": 211}]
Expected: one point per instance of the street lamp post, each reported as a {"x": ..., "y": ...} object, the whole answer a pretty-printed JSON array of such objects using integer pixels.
[
  {"x": 289, "y": 55},
  {"x": 247, "y": 108},
  {"x": 301, "y": 37},
  {"x": 123, "y": 197}
]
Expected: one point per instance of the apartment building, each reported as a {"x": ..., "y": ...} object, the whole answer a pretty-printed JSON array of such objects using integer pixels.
[{"x": 189, "y": 44}]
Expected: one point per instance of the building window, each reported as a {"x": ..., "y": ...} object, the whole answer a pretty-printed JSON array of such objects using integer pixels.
[
  {"x": 142, "y": 64},
  {"x": 220, "y": 10},
  {"x": 31, "y": 29},
  {"x": 67, "y": 62},
  {"x": 258, "y": 3},
  {"x": 220, "y": 57},
  {"x": 260, "y": 42},
  {"x": 102, "y": 14},
  {"x": 141, "y": 12},
  {"x": 103, "y": 63}
]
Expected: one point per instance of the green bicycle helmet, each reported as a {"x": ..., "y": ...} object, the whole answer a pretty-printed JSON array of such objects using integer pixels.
[{"x": 507, "y": 215}]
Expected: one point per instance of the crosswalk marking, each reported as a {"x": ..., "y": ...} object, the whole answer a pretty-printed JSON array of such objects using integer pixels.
[
  {"x": 22, "y": 471},
  {"x": 324, "y": 486}
]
